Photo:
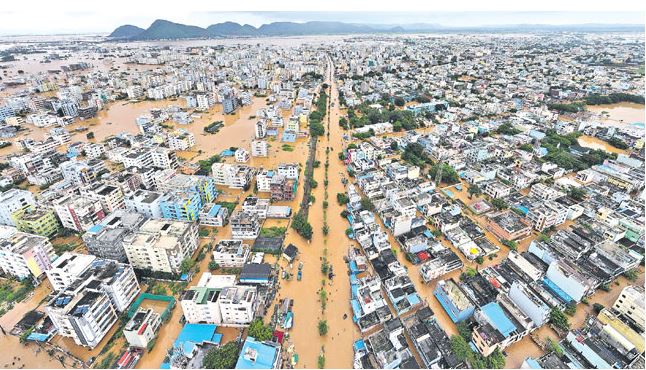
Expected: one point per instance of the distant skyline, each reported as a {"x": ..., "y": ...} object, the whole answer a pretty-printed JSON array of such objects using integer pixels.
[{"x": 79, "y": 19}]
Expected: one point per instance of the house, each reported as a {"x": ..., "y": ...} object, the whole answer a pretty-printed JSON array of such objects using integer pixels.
[
  {"x": 142, "y": 328},
  {"x": 256, "y": 274},
  {"x": 213, "y": 215},
  {"x": 456, "y": 304},
  {"x": 507, "y": 225},
  {"x": 258, "y": 355},
  {"x": 244, "y": 225},
  {"x": 290, "y": 252},
  {"x": 231, "y": 253}
]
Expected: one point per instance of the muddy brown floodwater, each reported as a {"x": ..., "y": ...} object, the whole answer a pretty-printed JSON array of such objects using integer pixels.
[
  {"x": 596, "y": 143},
  {"x": 620, "y": 114}
]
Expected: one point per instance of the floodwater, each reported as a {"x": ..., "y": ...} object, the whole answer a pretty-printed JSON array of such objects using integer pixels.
[
  {"x": 596, "y": 143},
  {"x": 14, "y": 353},
  {"x": 619, "y": 114}
]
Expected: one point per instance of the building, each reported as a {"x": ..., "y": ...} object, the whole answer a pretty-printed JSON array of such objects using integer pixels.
[
  {"x": 569, "y": 284},
  {"x": 111, "y": 197},
  {"x": 244, "y": 225},
  {"x": 200, "y": 302},
  {"x": 241, "y": 155},
  {"x": 105, "y": 239},
  {"x": 630, "y": 304},
  {"x": 145, "y": 202},
  {"x": 161, "y": 245},
  {"x": 508, "y": 226},
  {"x": 181, "y": 205},
  {"x": 258, "y": 355},
  {"x": 67, "y": 268},
  {"x": 87, "y": 309},
  {"x": 142, "y": 329},
  {"x": 24, "y": 255},
  {"x": 231, "y": 253},
  {"x": 530, "y": 303},
  {"x": 39, "y": 221},
  {"x": 235, "y": 176},
  {"x": 238, "y": 305},
  {"x": 14, "y": 200},
  {"x": 456, "y": 304},
  {"x": 282, "y": 188},
  {"x": 77, "y": 212},
  {"x": 497, "y": 328},
  {"x": 496, "y": 189},
  {"x": 213, "y": 215},
  {"x": 259, "y": 148},
  {"x": 546, "y": 215}
]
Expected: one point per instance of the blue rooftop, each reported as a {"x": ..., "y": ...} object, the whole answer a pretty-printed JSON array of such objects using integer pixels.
[
  {"x": 257, "y": 355},
  {"x": 214, "y": 210},
  {"x": 193, "y": 334},
  {"x": 497, "y": 318},
  {"x": 96, "y": 228}
]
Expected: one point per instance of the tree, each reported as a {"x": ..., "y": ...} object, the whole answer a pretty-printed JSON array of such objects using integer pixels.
[
  {"x": 342, "y": 198},
  {"x": 399, "y": 101},
  {"x": 597, "y": 307},
  {"x": 474, "y": 190},
  {"x": 495, "y": 360},
  {"x": 223, "y": 357},
  {"x": 449, "y": 175},
  {"x": 507, "y": 129},
  {"x": 90, "y": 135},
  {"x": 464, "y": 330},
  {"x": 186, "y": 265},
  {"x": 558, "y": 319},
  {"x": 510, "y": 244},
  {"x": 302, "y": 226},
  {"x": 632, "y": 275},
  {"x": 259, "y": 330},
  {"x": 460, "y": 347},
  {"x": 576, "y": 193},
  {"x": 499, "y": 203},
  {"x": 213, "y": 266},
  {"x": 367, "y": 204},
  {"x": 322, "y": 327}
]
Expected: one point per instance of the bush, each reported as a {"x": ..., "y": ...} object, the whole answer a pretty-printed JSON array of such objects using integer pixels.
[
  {"x": 322, "y": 327},
  {"x": 223, "y": 357},
  {"x": 558, "y": 319},
  {"x": 259, "y": 330},
  {"x": 302, "y": 227},
  {"x": 342, "y": 198}
]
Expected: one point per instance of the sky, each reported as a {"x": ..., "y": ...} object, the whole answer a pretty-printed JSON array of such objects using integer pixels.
[{"x": 31, "y": 17}]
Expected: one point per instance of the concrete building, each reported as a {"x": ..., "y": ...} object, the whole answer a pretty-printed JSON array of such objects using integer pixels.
[
  {"x": 67, "y": 268},
  {"x": 530, "y": 303},
  {"x": 238, "y": 305},
  {"x": 199, "y": 302},
  {"x": 87, "y": 309},
  {"x": 24, "y": 255},
  {"x": 244, "y": 225},
  {"x": 111, "y": 197},
  {"x": 161, "y": 245},
  {"x": 630, "y": 304},
  {"x": 213, "y": 215},
  {"x": 456, "y": 304},
  {"x": 145, "y": 202},
  {"x": 546, "y": 215},
  {"x": 11, "y": 201},
  {"x": 142, "y": 329},
  {"x": 562, "y": 277},
  {"x": 231, "y": 253},
  {"x": 259, "y": 148},
  {"x": 105, "y": 239},
  {"x": 77, "y": 212}
]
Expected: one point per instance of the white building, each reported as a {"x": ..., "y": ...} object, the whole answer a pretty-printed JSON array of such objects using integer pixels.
[
  {"x": 259, "y": 148},
  {"x": 161, "y": 245},
  {"x": 244, "y": 225},
  {"x": 231, "y": 253},
  {"x": 67, "y": 268},
  {"x": 145, "y": 202},
  {"x": 142, "y": 328},
  {"x": 235, "y": 176},
  {"x": 11, "y": 201},
  {"x": 241, "y": 155},
  {"x": 630, "y": 304},
  {"x": 78, "y": 212}
]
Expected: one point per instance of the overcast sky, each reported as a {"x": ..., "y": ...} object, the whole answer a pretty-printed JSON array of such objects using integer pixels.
[{"x": 86, "y": 16}]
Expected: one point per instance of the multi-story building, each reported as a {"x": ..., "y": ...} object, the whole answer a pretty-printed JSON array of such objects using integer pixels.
[
  {"x": 105, "y": 239},
  {"x": 231, "y": 253},
  {"x": 257, "y": 206},
  {"x": 241, "y": 155},
  {"x": 213, "y": 215},
  {"x": 181, "y": 140},
  {"x": 545, "y": 192},
  {"x": 496, "y": 189},
  {"x": 181, "y": 205},
  {"x": 87, "y": 309},
  {"x": 67, "y": 268},
  {"x": 263, "y": 180},
  {"x": 282, "y": 187},
  {"x": 110, "y": 197},
  {"x": 569, "y": 284},
  {"x": 199, "y": 302},
  {"x": 238, "y": 305},
  {"x": 39, "y": 221},
  {"x": 530, "y": 303},
  {"x": 161, "y": 245},
  {"x": 14, "y": 200},
  {"x": 289, "y": 170},
  {"x": 142, "y": 328},
  {"x": 77, "y": 212},
  {"x": 244, "y": 225},
  {"x": 204, "y": 186},
  {"x": 146, "y": 202},
  {"x": 24, "y": 255},
  {"x": 546, "y": 215},
  {"x": 630, "y": 304},
  {"x": 454, "y": 301},
  {"x": 235, "y": 176},
  {"x": 259, "y": 148}
]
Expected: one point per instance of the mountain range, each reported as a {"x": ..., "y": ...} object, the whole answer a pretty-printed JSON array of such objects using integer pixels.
[{"x": 165, "y": 30}]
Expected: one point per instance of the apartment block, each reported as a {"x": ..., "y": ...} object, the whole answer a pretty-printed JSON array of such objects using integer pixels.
[{"x": 24, "y": 255}]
